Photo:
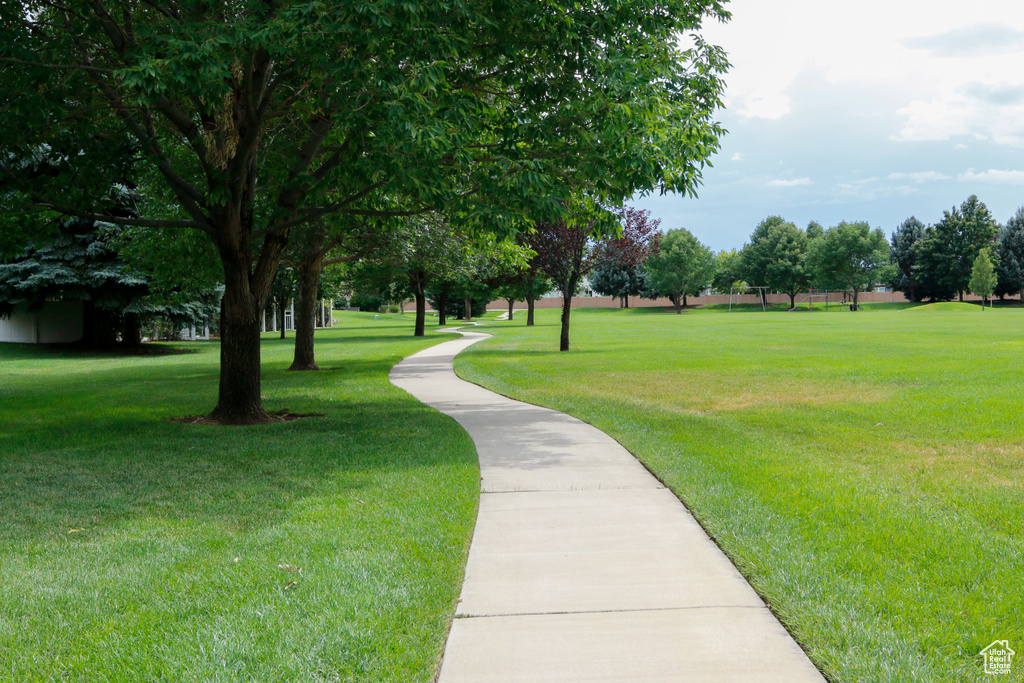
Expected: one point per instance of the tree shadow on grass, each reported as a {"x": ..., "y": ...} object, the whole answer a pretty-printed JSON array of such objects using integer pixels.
[
  {"x": 235, "y": 478},
  {"x": 511, "y": 354}
]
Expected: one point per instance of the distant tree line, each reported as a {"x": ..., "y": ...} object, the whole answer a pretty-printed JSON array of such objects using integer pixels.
[{"x": 936, "y": 262}]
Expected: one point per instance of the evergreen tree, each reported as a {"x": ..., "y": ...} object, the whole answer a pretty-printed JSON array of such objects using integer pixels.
[
  {"x": 1010, "y": 253},
  {"x": 946, "y": 253},
  {"x": 903, "y": 255},
  {"x": 618, "y": 261},
  {"x": 619, "y": 281},
  {"x": 82, "y": 264}
]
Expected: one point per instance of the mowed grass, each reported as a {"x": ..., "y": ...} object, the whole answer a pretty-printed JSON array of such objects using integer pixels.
[
  {"x": 864, "y": 470},
  {"x": 134, "y": 548}
]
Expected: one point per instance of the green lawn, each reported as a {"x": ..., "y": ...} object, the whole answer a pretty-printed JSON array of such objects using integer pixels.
[
  {"x": 864, "y": 470},
  {"x": 134, "y": 548}
]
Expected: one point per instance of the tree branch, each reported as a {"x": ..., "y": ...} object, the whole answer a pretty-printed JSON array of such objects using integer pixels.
[{"x": 78, "y": 67}]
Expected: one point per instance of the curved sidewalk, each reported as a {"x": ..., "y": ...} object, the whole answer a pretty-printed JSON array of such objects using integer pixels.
[{"x": 583, "y": 567}]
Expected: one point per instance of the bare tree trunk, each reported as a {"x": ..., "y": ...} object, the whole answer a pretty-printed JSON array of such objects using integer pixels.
[
  {"x": 511, "y": 306},
  {"x": 468, "y": 301},
  {"x": 246, "y": 290},
  {"x": 310, "y": 268},
  {"x": 281, "y": 303},
  {"x": 530, "y": 299},
  {"x": 442, "y": 302},
  {"x": 239, "y": 400},
  {"x": 563, "y": 343},
  {"x": 418, "y": 282},
  {"x": 625, "y": 300}
]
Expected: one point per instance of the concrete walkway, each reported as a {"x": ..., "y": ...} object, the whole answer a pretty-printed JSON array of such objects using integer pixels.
[{"x": 583, "y": 567}]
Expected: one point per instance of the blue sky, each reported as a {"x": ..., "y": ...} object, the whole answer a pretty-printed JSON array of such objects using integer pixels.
[{"x": 876, "y": 110}]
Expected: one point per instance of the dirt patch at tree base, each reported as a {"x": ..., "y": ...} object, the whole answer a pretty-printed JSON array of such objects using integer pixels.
[{"x": 275, "y": 417}]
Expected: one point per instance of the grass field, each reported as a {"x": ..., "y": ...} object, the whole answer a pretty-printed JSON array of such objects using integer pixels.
[
  {"x": 864, "y": 470},
  {"x": 134, "y": 548}
]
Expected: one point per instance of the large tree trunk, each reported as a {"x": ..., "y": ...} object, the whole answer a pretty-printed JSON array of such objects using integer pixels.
[
  {"x": 511, "y": 306},
  {"x": 530, "y": 299},
  {"x": 239, "y": 401},
  {"x": 246, "y": 290},
  {"x": 468, "y": 302},
  {"x": 677, "y": 301},
  {"x": 792, "y": 300},
  {"x": 625, "y": 300},
  {"x": 418, "y": 283},
  {"x": 563, "y": 343},
  {"x": 310, "y": 268}
]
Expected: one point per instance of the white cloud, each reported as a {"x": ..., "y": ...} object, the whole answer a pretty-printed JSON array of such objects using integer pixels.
[
  {"x": 978, "y": 39},
  {"x": 919, "y": 177},
  {"x": 993, "y": 176},
  {"x": 946, "y": 74},
  {"x": 789, "y": 183},
  {"x": 738, "y": 156},
  {"x": 953, "y": 115},
  {"x": 765, "y": 105}
]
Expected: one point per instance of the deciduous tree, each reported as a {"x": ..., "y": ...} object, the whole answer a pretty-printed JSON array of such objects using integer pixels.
[
  {"x": 850, "y": 256},
  {"x": 728, "y": 271},
  {"x": 775, "y": 257},
  {"x": 564, "y": 252},
  {"x": 983, "y": 276},
  {"x": 682, "y": 266},
  {"x": 257, "y": 119}
]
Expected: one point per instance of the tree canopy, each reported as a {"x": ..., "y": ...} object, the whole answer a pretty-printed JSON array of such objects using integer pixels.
[
  {"x": 618, "y": 271},
  {"x": 983, "y": 276},
  {"x": 903, "y": 254},
  {"x": 250, "y": 120},
  {"x": 946, "y": 253},
  {"x": 850, "y": 256},
  {"x": 1010, "y": 256},
  {"x": 775, "y": 256},
  {"x": 682, "y": 266}
]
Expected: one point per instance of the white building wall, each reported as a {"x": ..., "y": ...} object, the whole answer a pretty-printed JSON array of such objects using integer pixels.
[{"x": 56, "y": 322}]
